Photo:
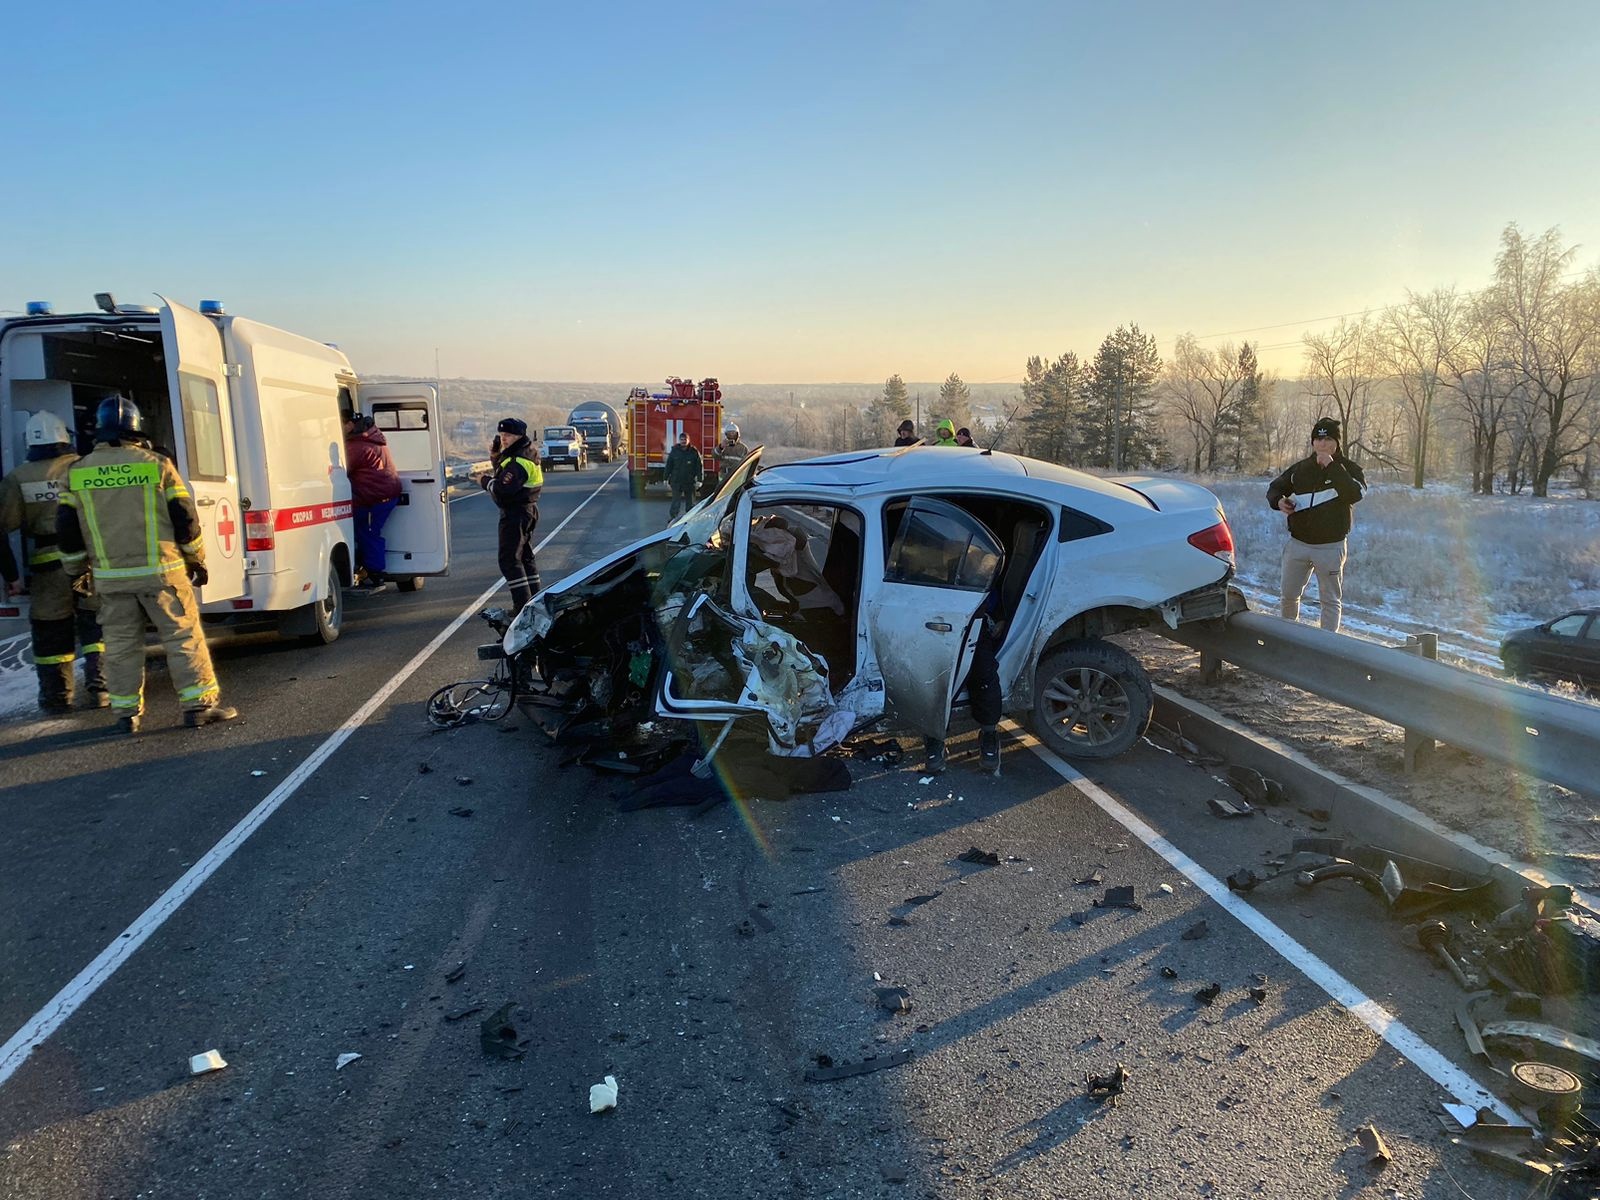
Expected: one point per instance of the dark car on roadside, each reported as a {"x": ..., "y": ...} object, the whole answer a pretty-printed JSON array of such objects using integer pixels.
[{"x": 1567, "y": 647}]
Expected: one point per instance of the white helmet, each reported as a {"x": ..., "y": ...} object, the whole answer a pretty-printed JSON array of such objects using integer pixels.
[
  {"x": 731, "y": 432},
  {"x": 46, "y": 429}
]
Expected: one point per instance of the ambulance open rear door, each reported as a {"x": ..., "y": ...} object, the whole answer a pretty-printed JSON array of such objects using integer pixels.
[
  {"x": 417, "y": 533},
  {"x": 202, "y": 419}
]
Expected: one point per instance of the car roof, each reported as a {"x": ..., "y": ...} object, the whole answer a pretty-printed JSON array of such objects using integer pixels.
[{"x": 929, "y": 468}]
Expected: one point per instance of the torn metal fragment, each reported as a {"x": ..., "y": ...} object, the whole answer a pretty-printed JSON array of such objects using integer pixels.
[
  {"x": 1168, "y": 973},
  {"x": 828, "y": 1074},
  {"x": 984, "y": 858},
  {"x": 1196, "y": 931},
  {"x": 1373, "y": 1145},
  {"x": 498, "y": 1036},
  {"x": 1108, "y": 1087},
  {"x": 1209, "y": 993},
  {"x": 893, "y": 999},
  {"x": 1546, "y": 1035},
  {"x": 1229, "y": 808},
  {"x": 1243, "y": 880}
]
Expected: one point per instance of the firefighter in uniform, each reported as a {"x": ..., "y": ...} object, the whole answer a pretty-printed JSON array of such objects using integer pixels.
[
  {"x": 514, "y": 483},
  {"x": 730, "y": 453},
  {"x": 62, "y": 620},
  {"x": 127, "y": 517}
]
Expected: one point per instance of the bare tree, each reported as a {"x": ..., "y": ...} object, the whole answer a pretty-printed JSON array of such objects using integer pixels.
[
  {"x": 1341, "y": 369},
  {"x": 1414, "y": 341},
  {"x": 1202, "y": 389},
  {"x": 1554, "y": 326},
  {"x": 1478, "y": 371}
]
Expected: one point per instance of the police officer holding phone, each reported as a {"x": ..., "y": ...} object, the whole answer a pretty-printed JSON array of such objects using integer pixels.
[{"x": 514, "y": 483}]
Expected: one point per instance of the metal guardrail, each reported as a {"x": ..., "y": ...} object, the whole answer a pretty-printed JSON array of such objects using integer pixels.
[
  {"x": 1548, "y": 737},
  {"x": 467, "y": 472}
]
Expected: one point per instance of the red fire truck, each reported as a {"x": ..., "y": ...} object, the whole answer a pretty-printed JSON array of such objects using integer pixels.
[{"x": 655, "y": 419}]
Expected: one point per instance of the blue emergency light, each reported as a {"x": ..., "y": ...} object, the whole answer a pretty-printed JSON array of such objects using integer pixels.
[
  {"x": 40, "y": 308},
  {"x": 212, "y": 308}
]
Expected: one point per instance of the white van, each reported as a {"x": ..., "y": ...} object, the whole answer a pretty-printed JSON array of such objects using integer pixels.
[{"x": 254, "y": 419}]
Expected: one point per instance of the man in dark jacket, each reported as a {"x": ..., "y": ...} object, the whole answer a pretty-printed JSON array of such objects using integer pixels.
[
  {"x": 374, "y": 492},
  {"x": 515, "y": 483},
  {"x": 906, "y": 435},
  {"x": 683, "y": 470},
  {"x": 1316, "y": 494}
]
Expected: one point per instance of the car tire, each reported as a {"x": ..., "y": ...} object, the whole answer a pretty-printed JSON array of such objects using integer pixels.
[
  {"x": 1091, "y": 699},
  {"x": 327, "y": 614}
]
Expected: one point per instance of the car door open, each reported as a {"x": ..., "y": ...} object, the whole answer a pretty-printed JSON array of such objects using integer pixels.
[{"x": 939, "y": 570}]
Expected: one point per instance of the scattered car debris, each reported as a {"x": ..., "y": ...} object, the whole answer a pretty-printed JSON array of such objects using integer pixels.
[
  {"x": 1463, "y": 1115},
  {"x": 1229, "y": 808},
  {"x": 893, "y": 999},
  {"x": 1551, "y": 1036},
  {"x": 456, "y": 973},
  {"x": 603, "y": 1096},
  {"x": 257, "y": 774},
  {"x": 498, "y": 1035},
  {"x": 1168, "y": 973},
  {"x": 460, "y": 812},
  {"x": 1249, "y": 783},
  {"x": 344, "y": 1060},
  {"x": 1373, "y": 1145},
  {"x": 1209, "y": 993},
  {"x": 424, "y": 769},
  {"x": 1551, "y": 1091},
  {"x": 898, "y": 921},
  {"x": 1435, "y": 938},
  {"x": 1108, "y": 1087},
  {"x": 1243, "y": 880},
  {"x": 832, "y": 1072},
  {"x": 1094, "y": 879},
  {"x": 1410, "y": 887},
  {"x": 1320, "y": 815},
  {"x": 205, "y": 1063},
  {"x": 1165, "y": 889},
  {"x": 983, "y": 858},
  {"x": 917, "y": 900},
  {"x": 1196, "y": 931},
  {"x": 1119, "y": 897},
  {"x": 879, "y": 750},
  {"x": 1258, "y": 993},
  {"x": 464, "y": 1013}
]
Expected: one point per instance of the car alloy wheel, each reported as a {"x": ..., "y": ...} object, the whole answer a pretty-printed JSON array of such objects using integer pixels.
[{"x": 1091, "y": 700}]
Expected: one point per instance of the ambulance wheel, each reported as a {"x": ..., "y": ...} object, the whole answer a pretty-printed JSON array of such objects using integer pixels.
[
  {"x": 409, "y": 583},
  {"x": 327, "y": 615}
]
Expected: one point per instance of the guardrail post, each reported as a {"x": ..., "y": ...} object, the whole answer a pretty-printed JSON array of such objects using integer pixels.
[
  {"x": 1210, "y": 667},
  {"x": 1419, "y": 747}
]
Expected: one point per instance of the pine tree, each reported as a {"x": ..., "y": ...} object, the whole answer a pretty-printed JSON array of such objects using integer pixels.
[
  {"x": 888, "y": 410},
  {"x": 1055, "y": 395},
  {"x": 1242, "y": 429},
  {"x": 954, "y": 403},
  {"x": 1120, "y": 429}
]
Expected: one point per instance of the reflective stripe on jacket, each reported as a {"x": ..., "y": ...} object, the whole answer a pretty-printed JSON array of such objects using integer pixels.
[
  {"x": 128, "y": 516},
  {"x": 28, "y": 499}
]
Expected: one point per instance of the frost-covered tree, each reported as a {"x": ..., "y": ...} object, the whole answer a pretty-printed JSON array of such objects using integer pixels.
[
  {"x": 891, "y": 406},
  {"x": 1414, "y": 343},
  {"x": 1120, "y": 428},
  {"x": 954, "y": 403},
  {"x": 1053, "y": 397},
  {"x": 1341, "y": 369}
]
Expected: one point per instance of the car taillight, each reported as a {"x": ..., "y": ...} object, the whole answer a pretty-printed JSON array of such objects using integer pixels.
[
  {"x": 258, "y": 529},
  {"x": 1216, "y": 541}
]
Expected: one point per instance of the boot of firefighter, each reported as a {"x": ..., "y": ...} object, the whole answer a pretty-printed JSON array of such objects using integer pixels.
[
  {"x": 55, "y": 687},
  {"x": 94, "y": 679}
]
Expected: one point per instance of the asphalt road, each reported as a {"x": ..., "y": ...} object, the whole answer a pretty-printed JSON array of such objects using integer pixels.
[{"x": 706, "y": 962}]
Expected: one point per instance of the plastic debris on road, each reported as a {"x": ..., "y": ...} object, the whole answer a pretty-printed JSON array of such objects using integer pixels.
[
  {"x": 204, "y": 1064},
  {"x": 603, "y": 1096},
  {"x": 344, "y": 1060},
  {"x": 1373, "y": 1145}
]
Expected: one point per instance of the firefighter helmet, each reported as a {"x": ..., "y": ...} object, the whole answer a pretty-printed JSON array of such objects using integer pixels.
[
  {"x": 731, "y": 432},
  {"x": 46, "y": 429},
  {"x": 118, "y": 416}
]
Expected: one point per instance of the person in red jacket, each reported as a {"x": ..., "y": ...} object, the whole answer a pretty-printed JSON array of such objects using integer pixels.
[{"x": 375, "y": 490}]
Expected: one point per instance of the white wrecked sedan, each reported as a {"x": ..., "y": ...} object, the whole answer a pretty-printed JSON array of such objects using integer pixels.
[{"x": 823, "y": 596}]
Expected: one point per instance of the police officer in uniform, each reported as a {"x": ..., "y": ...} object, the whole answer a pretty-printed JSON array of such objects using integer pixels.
[
  {"x": 514, "y": 483},
  {"x": 127, "y": 517},
  {"x": 62, "y": 619}
]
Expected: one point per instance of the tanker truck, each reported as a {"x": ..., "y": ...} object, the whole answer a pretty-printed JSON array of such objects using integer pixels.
[{"x": 601, "y": 428}]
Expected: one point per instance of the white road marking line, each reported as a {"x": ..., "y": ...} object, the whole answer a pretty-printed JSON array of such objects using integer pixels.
[
  {"x": 1368, "y": 1011},
  {"x": 72, "y": 997}
]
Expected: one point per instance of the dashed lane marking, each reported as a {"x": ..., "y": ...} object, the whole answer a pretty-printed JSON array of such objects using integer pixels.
[{"x": 72, "y": 997}]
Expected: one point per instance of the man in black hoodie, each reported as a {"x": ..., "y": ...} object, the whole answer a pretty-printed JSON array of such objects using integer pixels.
[{"x": 1316, "y": 494}]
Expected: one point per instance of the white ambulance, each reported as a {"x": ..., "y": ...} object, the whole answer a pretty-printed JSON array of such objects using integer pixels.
[{"x": 254, "y": 419}]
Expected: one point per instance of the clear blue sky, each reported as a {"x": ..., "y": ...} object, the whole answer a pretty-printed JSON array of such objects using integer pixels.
[{"x": 795, "y": 192}]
